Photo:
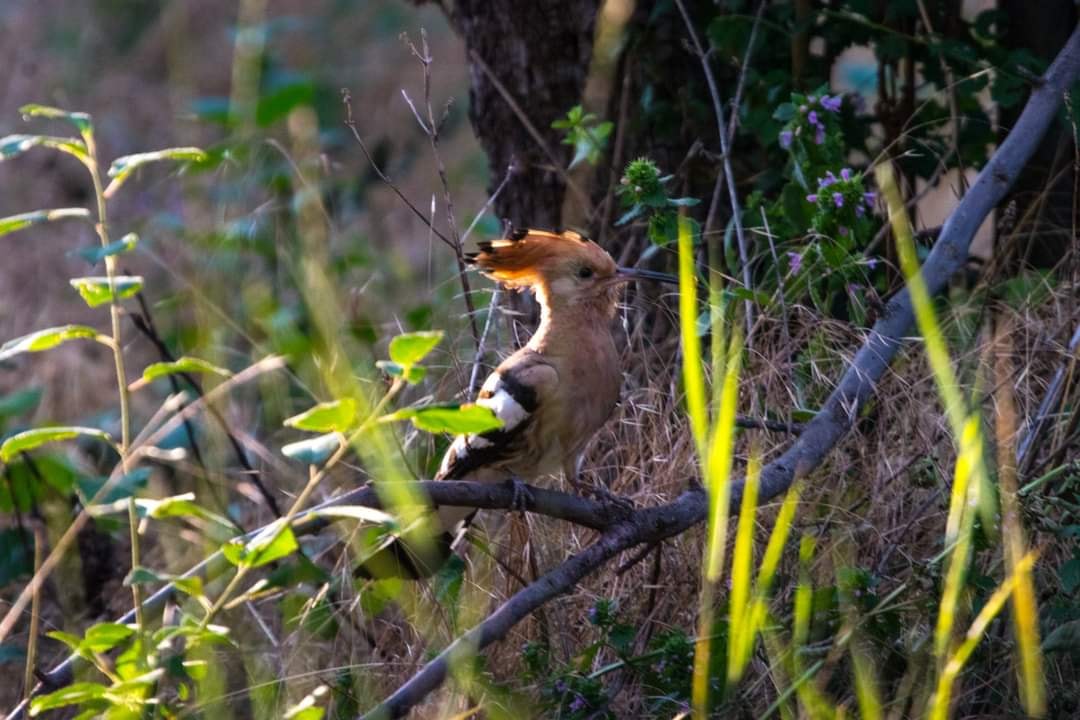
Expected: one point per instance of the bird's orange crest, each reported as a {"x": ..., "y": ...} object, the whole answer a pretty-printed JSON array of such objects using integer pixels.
[{"x": 528, "y": 257}]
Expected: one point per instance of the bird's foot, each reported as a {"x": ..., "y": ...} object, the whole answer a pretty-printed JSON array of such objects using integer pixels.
[
  {"x": 521, "y": 498},
  {"x": 617, "y": 505}
]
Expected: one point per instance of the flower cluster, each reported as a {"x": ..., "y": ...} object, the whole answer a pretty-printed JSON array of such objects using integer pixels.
[
  {"x": 842, "y": 203},
  {"x": 805, "y": 116}
]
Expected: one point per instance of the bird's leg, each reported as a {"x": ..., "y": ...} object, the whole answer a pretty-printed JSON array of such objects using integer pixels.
[
  {"x": 521, "y": 498},
  {"x": 617, "y": 505}
]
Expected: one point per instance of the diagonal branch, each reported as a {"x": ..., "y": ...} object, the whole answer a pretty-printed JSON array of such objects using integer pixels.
[{"x": 819, "y": 435}]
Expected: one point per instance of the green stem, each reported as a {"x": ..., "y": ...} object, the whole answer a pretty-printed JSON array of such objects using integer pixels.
[{"x": 114, "y": 306}]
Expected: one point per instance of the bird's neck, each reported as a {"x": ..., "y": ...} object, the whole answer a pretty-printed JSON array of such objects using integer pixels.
[{"x": 570, "y": 327}]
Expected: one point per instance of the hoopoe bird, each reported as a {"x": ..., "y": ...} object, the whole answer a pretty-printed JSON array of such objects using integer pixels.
[{"x": 552, "y": 395}]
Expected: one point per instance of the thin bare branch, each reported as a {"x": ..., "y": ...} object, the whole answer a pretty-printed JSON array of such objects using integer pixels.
[{"x": 725, "y": 149}]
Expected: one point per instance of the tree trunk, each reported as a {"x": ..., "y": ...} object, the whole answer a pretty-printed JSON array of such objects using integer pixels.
[{"x": 539, "y": 52}]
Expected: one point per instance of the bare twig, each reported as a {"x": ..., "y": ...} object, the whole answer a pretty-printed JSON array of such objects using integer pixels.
[
  {"x": 725, "y": 149},
  {"x": 1030, "y": 439},
  {"x": 431, "y": 129},
  {"x": 350, "y": 122}
]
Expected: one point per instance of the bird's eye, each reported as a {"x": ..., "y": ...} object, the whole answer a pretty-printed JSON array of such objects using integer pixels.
[{"x": 585, "y": 273}]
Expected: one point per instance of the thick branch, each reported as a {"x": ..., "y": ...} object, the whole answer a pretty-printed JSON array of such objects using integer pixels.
[{"x": 820, "y": 435}]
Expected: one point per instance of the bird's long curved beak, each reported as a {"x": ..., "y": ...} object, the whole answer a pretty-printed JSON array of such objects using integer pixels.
[{"x": 626, "y": 274}]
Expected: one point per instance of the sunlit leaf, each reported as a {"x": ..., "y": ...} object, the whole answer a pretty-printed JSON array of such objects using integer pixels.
[
  {"x": 17, "y": 222},
  {"x": 45, "y": 339},
  {"x": 105, "y": 636},
  {"x": 96, "y": 254},
  {"x": 410, "y": 348},
  {"x": 76, "y": 694},
  {"x": 82, "y": 121},
  {"x": 37, "y": 437},
  {"x": 266, "y": 547},
  {"x": 338, "y": 416},
  {"x": 182, "y": 365},
  {"x": 313, "y": 451},
  {"x": 96, "y": 290},
  {"x": 12, "y": 145},
  {"x": 122, "y": 167},
  {"x": 459, "y": 420}
]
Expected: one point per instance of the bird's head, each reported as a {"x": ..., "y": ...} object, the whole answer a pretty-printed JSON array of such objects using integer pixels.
[{"x": 564, "y": 269}]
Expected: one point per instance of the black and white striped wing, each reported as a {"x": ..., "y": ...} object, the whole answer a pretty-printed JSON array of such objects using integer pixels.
[{"x": 514, "y": 393}]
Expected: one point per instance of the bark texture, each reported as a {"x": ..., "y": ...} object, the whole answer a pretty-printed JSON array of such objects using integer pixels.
[{"x": 539, "y": 53}]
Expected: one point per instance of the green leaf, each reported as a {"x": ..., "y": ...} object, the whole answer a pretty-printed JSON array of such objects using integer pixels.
[
  {"x": 313, "y": 451},
  {"x": 183, "y": 365},
  {"x": 105, "y": 636},
  {"x": 143, "y": 576},
  {"x": 37, "y": 437},
  {"x": 82, "y": 121},
  {"x": 784, "y": 112},
  {"x": 12, "y": 145},
  {"x": 96, "y": 254},
  {"x": 412, "y": 374},
  {"x": 96, "y": 291},
  {"x": 1064, "y": 638},
  {"x": 76, "y": 694},
  {"x": 264, "y": 548},
  {"x": 19, "y": 402},
  {"x": 122, "y": 167},
  {"x": 459, "y": 420},
  {"x": 410, "y": 348},
  {"x": 683, "y": 201},
  {"x": 17, "y": 222},
  {"x": 119, "y": 490},
  {"x": 45, "y": 339},
  {"x": 338, "y": 416},
  {"x": 631, "y": 214}
]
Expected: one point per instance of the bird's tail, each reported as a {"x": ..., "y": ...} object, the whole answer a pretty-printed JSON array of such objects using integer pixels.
[{"x": 420, "y": 553}]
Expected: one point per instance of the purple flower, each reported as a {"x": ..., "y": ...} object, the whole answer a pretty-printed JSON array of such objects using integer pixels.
[
  {"x": 786, "y": 137},
  {"x": 832, "y": 104},
  {"x": 859, "y": 211},
  {"x": 560, "y": 686},
  {"x": 869, "y": 198},
  {"x": 819, "y": 135},
  {"x": 843, "y": 231},
  {"x": 846, "y": 173},
  {"x": 838, "y": 199},
  {"x": 813, "y": 118},
  {"x": 871, "y": 263},
  {"x": 795, "y": 260},
  {"x": 811, "y": 198},
  {"x": 826, "y": 181},
  {"x": 578, "y": 705},
  {"x": 812, "y": 99}
]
